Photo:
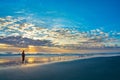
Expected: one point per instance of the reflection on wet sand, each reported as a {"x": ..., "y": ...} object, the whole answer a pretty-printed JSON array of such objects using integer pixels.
[
  {"x": 33, "y": 60},
  {"x": 30, "y": 60},
  {"x": 3, "y": 61}
]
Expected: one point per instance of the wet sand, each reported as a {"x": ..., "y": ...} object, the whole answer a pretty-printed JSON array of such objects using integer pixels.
[{"x": 100, "y": 68}]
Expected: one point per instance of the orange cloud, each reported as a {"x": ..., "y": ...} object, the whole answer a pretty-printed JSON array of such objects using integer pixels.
[{"x": 45, "y": 49}]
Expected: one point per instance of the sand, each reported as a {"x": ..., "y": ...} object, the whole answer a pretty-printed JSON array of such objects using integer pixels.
[{"x": 100, "y": 68}]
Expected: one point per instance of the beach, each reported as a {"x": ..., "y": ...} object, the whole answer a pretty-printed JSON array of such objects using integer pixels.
[{"x": 97, "y": 68}]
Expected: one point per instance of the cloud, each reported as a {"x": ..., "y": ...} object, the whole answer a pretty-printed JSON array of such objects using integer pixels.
[
  {"x": 23, "y": 32},
  {"x": 24, "y": 42}
]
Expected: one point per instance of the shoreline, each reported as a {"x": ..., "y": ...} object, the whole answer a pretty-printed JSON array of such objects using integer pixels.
[{"x": 20, "y": 65}]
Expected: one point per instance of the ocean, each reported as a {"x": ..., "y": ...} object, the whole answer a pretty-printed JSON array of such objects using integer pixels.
[{"x": 12, "y": 60}]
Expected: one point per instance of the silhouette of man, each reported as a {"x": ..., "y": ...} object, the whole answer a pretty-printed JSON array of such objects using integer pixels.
[{"x": 23, "y": 56}]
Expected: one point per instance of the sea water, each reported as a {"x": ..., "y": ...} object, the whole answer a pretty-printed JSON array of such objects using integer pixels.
[{"x": 9, "y": 60}]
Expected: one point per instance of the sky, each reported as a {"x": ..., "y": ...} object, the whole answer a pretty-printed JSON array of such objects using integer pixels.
[{"x": 59, "y": 24}]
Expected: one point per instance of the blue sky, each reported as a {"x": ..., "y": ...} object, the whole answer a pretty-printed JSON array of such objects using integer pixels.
[
  {"x": 93, "y": 13},
  {"x": 62, "y": 22},
  {"x": 89, "y": 13}
]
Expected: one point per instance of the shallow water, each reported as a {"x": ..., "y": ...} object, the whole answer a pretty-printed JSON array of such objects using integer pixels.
[{"x": 15, "y": 60}]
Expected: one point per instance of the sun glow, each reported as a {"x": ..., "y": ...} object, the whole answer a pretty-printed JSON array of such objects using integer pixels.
[
  {"x": 32, "y": 49},
  {"x": 30, "y": 60},
  {"x": 44, "y": 59},
  {"x": 4, "y": 45},
  {"x": 3, "y": 61}
]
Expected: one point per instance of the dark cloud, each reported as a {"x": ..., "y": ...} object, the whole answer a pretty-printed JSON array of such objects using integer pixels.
[{"x": 24, "y": 42}]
